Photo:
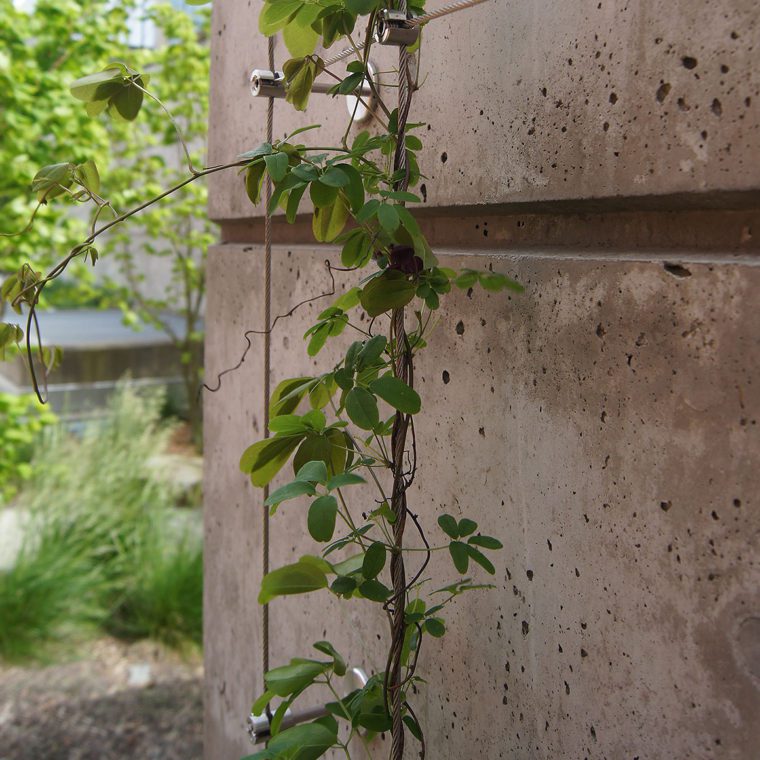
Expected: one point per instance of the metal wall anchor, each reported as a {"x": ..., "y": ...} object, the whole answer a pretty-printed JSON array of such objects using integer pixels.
[
  {"x": 259, "y": 728},
  {"x": 271, "y": 84},
  {"x": 393, "y": 28}
]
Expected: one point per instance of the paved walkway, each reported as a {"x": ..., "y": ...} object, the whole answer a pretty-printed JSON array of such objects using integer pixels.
[{"x": 123, "y": 701}]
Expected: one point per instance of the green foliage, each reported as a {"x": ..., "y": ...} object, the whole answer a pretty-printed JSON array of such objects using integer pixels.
[
  {"x": 102, "y": 546},
  {"x": 22, "y": 419}
]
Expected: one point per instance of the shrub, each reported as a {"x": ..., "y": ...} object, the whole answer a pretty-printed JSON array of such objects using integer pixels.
[
  {"x": 102, "y": 541},
  {"x": 22, "y": 418}
]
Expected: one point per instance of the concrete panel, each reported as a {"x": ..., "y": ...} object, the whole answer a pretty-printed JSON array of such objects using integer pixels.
[
  {"x": 540, "y": 101},
  {"x": 232, "y": 515},
  {"x": 603, "y": 425}
]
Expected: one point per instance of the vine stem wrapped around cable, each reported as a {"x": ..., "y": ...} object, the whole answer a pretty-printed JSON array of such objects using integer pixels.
[{"x": 404, "y": 371}]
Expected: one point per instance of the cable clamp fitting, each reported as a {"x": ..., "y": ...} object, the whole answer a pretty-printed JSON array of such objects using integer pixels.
[
  {"x": 394, "y": 28},
  {"x": 271, "y": 84}
]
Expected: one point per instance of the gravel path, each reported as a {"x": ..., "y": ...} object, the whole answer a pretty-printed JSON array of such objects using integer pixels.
[{"x": 122, "y": 701}]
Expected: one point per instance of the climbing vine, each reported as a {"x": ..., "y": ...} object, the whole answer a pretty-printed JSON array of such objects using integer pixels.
[{"x": 350, "y": 430}]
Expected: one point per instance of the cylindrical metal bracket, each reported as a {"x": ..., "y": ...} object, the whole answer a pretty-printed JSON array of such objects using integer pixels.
[
  {"x": 393, "y": 29},
  {"x": 271, "y": 84},
  {"x": 259, "y": 726}
]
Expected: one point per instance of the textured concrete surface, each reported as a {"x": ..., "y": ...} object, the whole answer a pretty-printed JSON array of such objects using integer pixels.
[
  {"x": 539, "y": 101},
  {"x": 603, "y": 425}
]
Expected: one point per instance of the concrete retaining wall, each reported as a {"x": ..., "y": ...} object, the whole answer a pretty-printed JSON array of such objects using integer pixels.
[{"x": 604, "y": 424}]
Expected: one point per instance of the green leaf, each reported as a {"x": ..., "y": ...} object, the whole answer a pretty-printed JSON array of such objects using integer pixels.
[
  {"x": 374, "y": 560},
  {"x": 321, "y": 394},
  {"x": 99, "y": 86},
  {"x": 87, "y": 174},
  {"x": 495, "y": 282},
  {"x": 459, "y": 555},
  {"x": 339, "y": 664},
  {"x": 388, "y": 218},
  {"x": 260, "y": 704},
  {"x": 361, "y": 407},
  {"x": 413, "y": 726},
  {"x": 288, "y": 424},
  {"x": 299, "y": 37},
  {"x": 262, "y": 150},
  {"x": 351, "y": 565},
  {"x": 275, "y": 15},
  {"x": 254, "y": 177},
  {"x": 314, "y": 472},
  {"x": 449, "y": 526},
  {"x": 487, "y": 542},
  {"x": 357, "y": 250},
  {"x": 368, "y": 210},
  {"x": 354, "y": 187},
  {"x": 371, "y": 352},
  {"x": 285, "y": 680},
  {"x": 298, "y": 578},
  {"x": 397, "y": 393},
  {"x": 294, "y": 201},
  {"x": 361, "y": 7},
  {"x": 290, "y": 491},
  {"x": 329, "y": 222},
  {"x": 288, "y": 395},
  {"x": 277, "y": 165},
  {"x": 264, "y": 459},
  {"x": 374, "y": 591},
  {"x": 392, "y": 290},
  {"x": 334, "y": 177},
  {"x": 344, "y": 479},
  {"x": 308, "y": 741},
  {"x": 300, "y": 74},
  {"x": 466, "y": 527},
  {"x": 435, "y": 627},
  {"x": 127, "y": 102},
  {"x": 53, "y": 180},
  {"x": 321, "y": 520},
  {"x": 322, "y": 194},
  {"x": 343, "y": 584},
  {"x": 329, "y": 447},
  {"x": 480, "y": 558}
]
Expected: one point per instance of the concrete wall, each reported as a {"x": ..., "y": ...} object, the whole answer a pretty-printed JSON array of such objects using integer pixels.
[{"x": 603, "y": 424}]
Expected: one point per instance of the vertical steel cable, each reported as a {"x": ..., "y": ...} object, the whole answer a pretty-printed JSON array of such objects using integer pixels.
[
  {"x": 267, "y": 357},
  {"x": 403, "y": 367}
]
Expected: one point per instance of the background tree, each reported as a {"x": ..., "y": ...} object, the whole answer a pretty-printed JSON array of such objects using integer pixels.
[{"x": 41, "y": 53}]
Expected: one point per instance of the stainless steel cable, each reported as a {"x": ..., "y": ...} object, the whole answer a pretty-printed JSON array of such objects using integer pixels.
[
  {"x": 416, "y": 21},
  {"x": 267, "y": 357}
]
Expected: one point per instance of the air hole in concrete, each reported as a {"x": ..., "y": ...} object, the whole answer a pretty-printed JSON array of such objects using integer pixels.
[
  {"x": 584, "y": 653},
  {"x": 662, "y": 92},
  {"x": 460, "y": 327},
  {"x": 525, "y": 627},
  {"x": 665, "y": 505},
  {"x": 529, "y": 573},
  {"x": 748, "y": 644},
  {"x": 423, "y": 192},
  {"x": 724, "y": 69},
  {"x": 613, "y": 98},
  {"x": 716, "y": 107},
  {"x": 446, "y": 377},
  {"x": 444, "y": 157},
  {"x": 737, "y": 502},
  {"x": 714, "y": 515},
  {"x": 689, "y": 62},
  {"x": 600, "y": 331},
  {"x": 677, "y": 270}
]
